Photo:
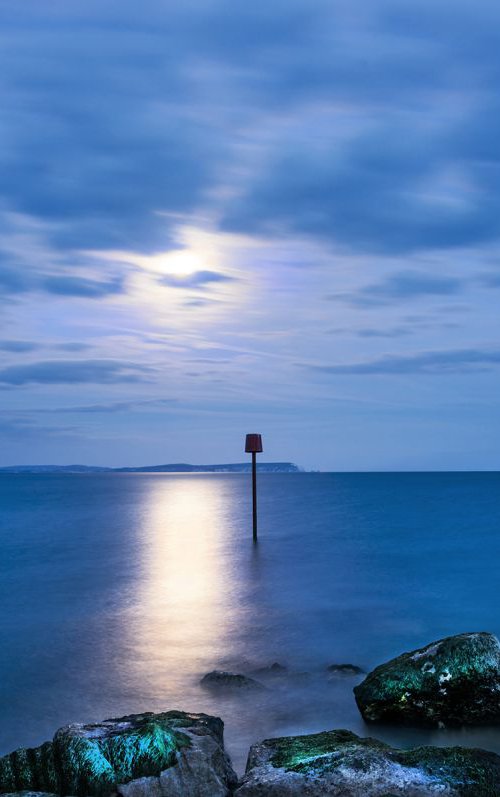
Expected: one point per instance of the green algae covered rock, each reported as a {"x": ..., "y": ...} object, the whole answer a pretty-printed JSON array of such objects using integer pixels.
[
  {"x": 30, "y": 769},
  {"x": 341, "y": 764},
  {"x": 454, "y": 681},
  {"x": 169, "y": 753}
]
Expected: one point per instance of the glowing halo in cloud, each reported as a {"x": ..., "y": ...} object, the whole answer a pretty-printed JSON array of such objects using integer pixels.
[
  {"x": 183, "y": 263},
  {"x": 178, "y": 262},
  {"x": 197, "y": 251},
  {"x": 194, "y": 288}
]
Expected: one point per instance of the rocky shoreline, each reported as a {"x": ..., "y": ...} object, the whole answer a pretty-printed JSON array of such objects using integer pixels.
[{"x": 448, "y": 683}]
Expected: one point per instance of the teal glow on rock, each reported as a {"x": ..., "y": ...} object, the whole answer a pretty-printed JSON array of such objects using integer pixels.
[
  {"x": 92, "y": 760},
  {"x": 341, "y": 764},
  {"x": 453, "y": 681}
]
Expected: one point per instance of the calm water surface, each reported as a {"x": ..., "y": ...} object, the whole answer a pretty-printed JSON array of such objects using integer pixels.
[{"x": 118, "y": 592}]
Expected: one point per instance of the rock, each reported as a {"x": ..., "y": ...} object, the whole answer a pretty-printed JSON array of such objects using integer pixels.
[
  {"x": 344, "y": 669},
  {"x": 455, "y": 681},
  {"x": 172, "y": 754},
  {"x": 218, "y": 679},
  {"x": 341, "y": 764},
  {"x": 31, "y": 770}
]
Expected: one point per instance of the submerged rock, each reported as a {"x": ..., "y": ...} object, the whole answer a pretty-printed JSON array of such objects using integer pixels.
[
  {"x": 344, "y": 669},
  {"x": 454, "y": 681},
  {"x": 341, "y": 764},
  {"x": 173, "y": 753},
  {"x": 219, "y": 679}
]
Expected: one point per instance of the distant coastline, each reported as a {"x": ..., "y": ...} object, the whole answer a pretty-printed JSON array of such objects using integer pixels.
[{"x": 238, "y": 467}]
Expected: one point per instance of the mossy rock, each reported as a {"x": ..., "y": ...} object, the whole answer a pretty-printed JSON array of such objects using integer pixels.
[
  {"x": 93, "y": 759},
  {"x": 451, "y": 682},
  {"x": 340, "y": 764},
  {"x": 29, "y": 769},
  {"x": 100, "y": 759}
]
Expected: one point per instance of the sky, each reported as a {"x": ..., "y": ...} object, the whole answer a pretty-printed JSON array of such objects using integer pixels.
[{"x": 279, "y": 217}]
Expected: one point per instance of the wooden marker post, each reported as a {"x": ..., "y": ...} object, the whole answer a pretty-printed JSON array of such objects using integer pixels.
[{"x": 253, "y": 446}]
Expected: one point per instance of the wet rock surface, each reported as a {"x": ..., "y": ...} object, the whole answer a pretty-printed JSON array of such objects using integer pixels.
[
  {"x": 452, "y": 682},
  {"x": 220, "y": 679},
  {"x": 341, "y": 764},
  {"x": 172, "y": 754}
]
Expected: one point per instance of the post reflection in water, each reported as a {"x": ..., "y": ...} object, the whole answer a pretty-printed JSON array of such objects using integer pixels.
[{"x": 181, "y": 611}]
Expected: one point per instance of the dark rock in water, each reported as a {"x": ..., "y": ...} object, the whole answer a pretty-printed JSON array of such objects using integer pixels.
[
  {"x": 218, "y": 679},
  {"x": 341, "y": 764},
  {"x": 454, "y": 681},
  {"x": 344, "y": 669},
  {"x": 174, "y": 754}
]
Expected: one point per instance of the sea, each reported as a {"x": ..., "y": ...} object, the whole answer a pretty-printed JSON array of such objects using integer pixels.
[{"x": 119, "y": 592}]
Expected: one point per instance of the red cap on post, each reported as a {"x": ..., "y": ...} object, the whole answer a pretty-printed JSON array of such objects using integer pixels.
[{"x": 253, "y": 444}]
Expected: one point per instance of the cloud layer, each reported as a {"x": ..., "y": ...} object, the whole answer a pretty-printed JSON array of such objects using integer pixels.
[
  {"x": 67, "y": 372},
  {"x": 400, "y": 287},
  {"x": 432, "y": 362},
  {"x": 391, "y": 143},
  {"x": 278, "y": 182}
]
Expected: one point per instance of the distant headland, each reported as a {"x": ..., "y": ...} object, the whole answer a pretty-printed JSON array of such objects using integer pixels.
[{"x": 238, "y": 467}]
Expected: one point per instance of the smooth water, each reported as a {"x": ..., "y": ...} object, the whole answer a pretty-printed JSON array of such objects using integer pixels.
[{"x": 120, "y": 591}]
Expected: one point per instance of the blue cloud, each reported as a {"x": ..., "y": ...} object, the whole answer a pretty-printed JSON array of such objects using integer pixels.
[
  {"x": 374, "y": 193},
  {"x": 72, "y": 345},
  {"x": 18, "y": 279},
  {"x": 197, "y": 280},
  {"x": 431, "y": 362},
  {"x": 116, "y": 407},
  {"x": 18, "y": 346},
  {"x": 81, "y": 286},
  {"x": 193, "y": 303},
  {"x": 160, "y": 111},
  {"x": 401, "y": 286},
  {"x": 57, "y": 372},
  {"x": 96, "y": 152},
  {"x": 391, "y": 332},
  {"x": 17, "y": 429},
  {"x": 330, "y": 130},
  {"x": 491, "y": 280},
  {"x": 11, "y": 281}
]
